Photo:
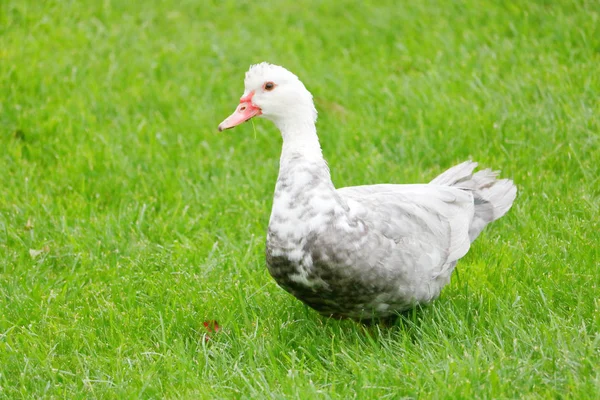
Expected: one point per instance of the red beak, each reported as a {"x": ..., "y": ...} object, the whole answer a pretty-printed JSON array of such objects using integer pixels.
[{"x": 242, "y": 113}]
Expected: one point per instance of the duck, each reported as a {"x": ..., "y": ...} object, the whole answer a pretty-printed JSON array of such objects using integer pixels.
[{"x": 362, "y": 252}]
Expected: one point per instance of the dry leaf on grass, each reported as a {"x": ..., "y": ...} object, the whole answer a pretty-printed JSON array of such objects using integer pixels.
[
  {"x": 36, "y": 253},
  {"x": 211, "y": 326}
]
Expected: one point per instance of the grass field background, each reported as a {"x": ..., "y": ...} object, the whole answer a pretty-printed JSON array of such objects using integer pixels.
[{"x": 126, "y": 220}]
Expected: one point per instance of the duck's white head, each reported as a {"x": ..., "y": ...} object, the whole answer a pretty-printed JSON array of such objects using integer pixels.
[{"x": 274, "y": 93}]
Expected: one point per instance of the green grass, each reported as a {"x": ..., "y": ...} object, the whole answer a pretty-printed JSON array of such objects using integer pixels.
[{"x": 126, "y": 220}]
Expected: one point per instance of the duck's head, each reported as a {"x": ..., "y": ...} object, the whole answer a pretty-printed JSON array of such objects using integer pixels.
[{"x": 274, "y": 93}]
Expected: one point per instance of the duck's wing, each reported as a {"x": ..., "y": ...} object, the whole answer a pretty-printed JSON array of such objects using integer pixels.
[{"x": 429, "y": 223}]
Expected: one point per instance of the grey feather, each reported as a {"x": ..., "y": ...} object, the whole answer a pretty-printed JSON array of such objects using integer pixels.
[{"x": 372, "y": 251}]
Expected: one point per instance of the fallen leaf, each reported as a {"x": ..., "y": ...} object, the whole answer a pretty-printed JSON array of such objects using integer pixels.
[
  {"x": 211, "y": 326},
  {"x": 35, "y": 253}
]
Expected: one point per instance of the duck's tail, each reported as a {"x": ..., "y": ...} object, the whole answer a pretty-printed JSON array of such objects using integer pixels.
[{"x": 493, "y": 197}]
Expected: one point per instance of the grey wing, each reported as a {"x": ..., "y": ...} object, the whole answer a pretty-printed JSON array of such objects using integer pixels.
[{"x": 428, "y": 224}]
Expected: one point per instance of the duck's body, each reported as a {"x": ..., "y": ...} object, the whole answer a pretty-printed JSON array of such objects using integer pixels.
[{"x": 366, "y": 251}]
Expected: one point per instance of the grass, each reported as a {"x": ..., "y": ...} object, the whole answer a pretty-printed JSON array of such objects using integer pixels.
[{"x": 126, "y": 220}]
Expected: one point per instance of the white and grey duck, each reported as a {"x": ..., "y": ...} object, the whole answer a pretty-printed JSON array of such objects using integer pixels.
[{"x": 361, "y": 252}]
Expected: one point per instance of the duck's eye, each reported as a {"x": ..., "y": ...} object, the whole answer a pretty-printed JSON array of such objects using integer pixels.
[{"x": 269, "y": 86}]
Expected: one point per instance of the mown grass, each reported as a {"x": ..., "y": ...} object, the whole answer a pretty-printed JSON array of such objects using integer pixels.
[{"x": 126, "y": 220}]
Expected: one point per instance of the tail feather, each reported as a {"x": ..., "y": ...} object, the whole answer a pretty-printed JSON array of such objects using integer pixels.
[
  {"x": 492, "y": 197},
  {"x": 455, "y": 175}
]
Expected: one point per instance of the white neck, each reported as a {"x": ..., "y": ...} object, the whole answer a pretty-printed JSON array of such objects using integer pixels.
[
  {"x": 300, "y": 139},
  {"x": 304, "y": 180}
]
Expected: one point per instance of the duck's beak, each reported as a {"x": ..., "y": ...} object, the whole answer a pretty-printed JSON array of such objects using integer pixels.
[{"x": 242, "y": 113}]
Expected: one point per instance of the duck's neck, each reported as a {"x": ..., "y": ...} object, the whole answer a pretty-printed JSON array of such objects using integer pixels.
[
  {"x": 300, "y": 140},
  {"x": 302, "y": 167},
  {"x": 305, "y": 199}
]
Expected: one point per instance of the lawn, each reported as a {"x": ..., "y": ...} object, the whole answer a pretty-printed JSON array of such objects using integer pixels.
[{"x": 127, "y": 220}]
